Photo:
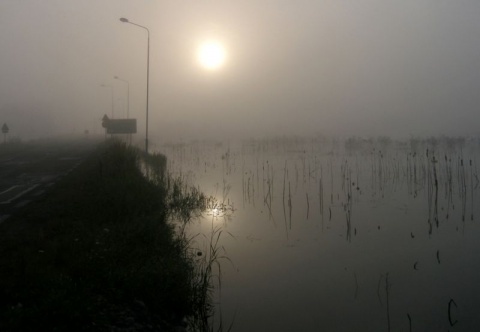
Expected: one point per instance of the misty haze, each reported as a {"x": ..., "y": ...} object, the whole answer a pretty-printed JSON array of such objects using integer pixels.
[{"x": 240, "y": 166}]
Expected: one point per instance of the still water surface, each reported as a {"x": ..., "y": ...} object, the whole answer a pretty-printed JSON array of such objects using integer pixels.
[{"x": 323, "y": 235}]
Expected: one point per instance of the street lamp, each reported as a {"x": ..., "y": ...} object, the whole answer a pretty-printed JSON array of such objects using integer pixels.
[
  {"x": 128, "y": 94},
  {"x": 124, "y": 20},
  {"x": 111, "y": 90}
]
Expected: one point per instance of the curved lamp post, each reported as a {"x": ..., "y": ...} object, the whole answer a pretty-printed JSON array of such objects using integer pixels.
[
  {"x": 128, "y": 94},
  {"x": 125, "y": 20}
]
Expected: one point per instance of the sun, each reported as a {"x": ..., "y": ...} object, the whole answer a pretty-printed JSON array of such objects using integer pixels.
[{"x": 211, "y": 55}]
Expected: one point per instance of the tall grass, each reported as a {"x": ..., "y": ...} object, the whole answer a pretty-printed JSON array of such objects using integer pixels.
[{"x": 207, "y": 278}]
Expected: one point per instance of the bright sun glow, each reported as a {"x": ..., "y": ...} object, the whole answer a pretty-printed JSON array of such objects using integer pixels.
[{"x": 211, "y": 55}]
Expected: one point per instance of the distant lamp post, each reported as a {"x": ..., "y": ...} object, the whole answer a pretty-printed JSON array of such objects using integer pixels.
[
  {"x": 128, "y": 94},
  {"x": 111, "y": 90},
  {"x": 125, "y": 20},
  {"x": 5, "y": 130}
]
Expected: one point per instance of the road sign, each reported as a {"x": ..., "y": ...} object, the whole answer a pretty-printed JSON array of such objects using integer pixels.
[{"x": 121, "y": 126}]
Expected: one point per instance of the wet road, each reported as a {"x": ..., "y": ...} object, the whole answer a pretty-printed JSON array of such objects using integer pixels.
[{"x": 28, "y": 170}]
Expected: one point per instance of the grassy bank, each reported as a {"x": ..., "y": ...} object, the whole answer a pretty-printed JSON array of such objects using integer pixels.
[{"x": 96, "y": 252}]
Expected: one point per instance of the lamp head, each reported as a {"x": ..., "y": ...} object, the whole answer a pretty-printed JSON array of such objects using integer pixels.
[{"x": 124, "y": 20}]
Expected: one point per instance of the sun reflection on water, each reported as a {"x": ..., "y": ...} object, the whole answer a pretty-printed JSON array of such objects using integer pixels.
[{"x": 217, "y": 209}]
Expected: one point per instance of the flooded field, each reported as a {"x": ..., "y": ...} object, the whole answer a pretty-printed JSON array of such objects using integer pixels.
[{"x": 329, "y": 235}]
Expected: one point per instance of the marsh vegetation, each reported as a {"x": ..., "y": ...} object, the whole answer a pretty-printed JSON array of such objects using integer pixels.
[{"x": 382, "y": 231}]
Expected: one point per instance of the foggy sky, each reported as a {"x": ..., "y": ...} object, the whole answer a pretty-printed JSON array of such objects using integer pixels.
[{"x": 331, "y": 67}]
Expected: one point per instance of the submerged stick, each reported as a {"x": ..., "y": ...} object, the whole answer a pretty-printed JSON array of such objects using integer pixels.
[
  {"x": 388, "y": 305},
  {"x": 452, "y": 323},
  {"x": 356, "y": 285},
  {"x": 308, "y": 205},
  {"x": 320, "y": 195},
  {"x": 378, "y": 289},
  {"x": 290, "y": 204}
]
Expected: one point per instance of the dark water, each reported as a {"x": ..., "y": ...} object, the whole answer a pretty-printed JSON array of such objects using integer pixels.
[{"x": 326, "y": 236}]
